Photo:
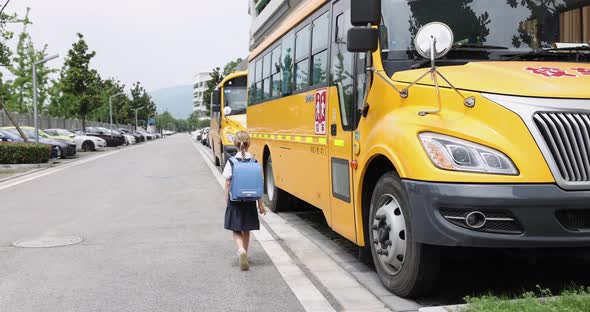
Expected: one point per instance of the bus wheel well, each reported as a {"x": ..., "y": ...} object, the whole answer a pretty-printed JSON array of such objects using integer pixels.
[
  {"x": 265, "y": 155},
  {"x": 376, "y": 168}
]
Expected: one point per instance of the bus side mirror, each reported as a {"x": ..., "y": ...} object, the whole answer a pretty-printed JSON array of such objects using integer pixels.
[
  {"x": 216, "y": 97},
  {"x": 364, "y": 12},
  {"x": 362, "y": 40}
]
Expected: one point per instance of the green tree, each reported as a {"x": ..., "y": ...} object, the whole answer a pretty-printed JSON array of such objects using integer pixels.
[
  {"x": 216, "y": 78},
  {"x": 21, "y": 98},
  {"x": 59, "y": 102},
  {"x": 140, "y": 99},
  {"x": 231, "y": 66},
  {"x": 165, "y": 120},
  {"x": 5, "y": 53},
  {"x": 80, "y": 81}
]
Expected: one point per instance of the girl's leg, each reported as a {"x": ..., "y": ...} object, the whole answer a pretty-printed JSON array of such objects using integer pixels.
[
  {"x": 246, "y": 239},
  {"x": 239, "y": 239}
]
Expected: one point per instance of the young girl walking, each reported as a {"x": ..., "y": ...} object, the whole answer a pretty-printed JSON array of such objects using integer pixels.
[{"x": 241, "y": 217}]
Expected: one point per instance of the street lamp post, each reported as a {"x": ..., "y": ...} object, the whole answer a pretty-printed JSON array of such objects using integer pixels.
[
  {"x": 111, "y": 108},
  {"x": 136, "y": 117},
  {"x": 35, "y": 112}
]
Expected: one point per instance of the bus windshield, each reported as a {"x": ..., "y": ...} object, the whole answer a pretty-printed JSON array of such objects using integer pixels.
[
  {"x": 235, "y": 97},
  {"x": 485, "y": 29}
]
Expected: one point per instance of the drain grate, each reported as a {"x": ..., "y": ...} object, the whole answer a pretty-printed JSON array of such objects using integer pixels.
[{"x": 48, "y": 241}]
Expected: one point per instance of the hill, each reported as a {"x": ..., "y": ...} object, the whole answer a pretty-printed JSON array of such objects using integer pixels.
[{"x": 177, "y": 100}]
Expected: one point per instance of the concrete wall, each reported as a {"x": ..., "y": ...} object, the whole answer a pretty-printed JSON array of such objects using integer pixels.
[{"x": 48, "y": 122}]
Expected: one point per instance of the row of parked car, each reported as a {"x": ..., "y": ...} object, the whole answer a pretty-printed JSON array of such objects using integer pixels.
[
  {"x": 65, "y": 143},
  {"x": 202, "y": 135}
]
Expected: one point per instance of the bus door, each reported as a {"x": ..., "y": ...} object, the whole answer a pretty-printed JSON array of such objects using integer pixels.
[{"x": 346, "y": 86}]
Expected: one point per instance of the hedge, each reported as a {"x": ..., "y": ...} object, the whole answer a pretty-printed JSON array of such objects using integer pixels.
[{"x": 23, "y": 153}]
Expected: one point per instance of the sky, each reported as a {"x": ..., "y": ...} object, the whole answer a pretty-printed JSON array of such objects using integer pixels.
[{"x": 162, "y": 43}]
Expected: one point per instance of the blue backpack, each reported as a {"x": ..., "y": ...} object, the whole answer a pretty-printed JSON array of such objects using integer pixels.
[{"x": 246, "y": 181}]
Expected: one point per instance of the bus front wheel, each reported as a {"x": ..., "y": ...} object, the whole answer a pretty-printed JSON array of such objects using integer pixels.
[
  {"x": 407, "y": 268},
  {"x": 275, "y": 198}
]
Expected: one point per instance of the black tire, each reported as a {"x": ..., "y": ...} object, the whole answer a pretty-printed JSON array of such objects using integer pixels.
[
  {"x": 419, "y": 270},
  {"x": 215, "y": 159},
  {"x": 222, "y": 160},
  {"x": 60, "y": 153},
  {"x": 274, "y": 198},
  {"x": 88, "y": 146}
]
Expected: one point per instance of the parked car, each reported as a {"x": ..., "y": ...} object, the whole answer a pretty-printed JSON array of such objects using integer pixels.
[
  {"x": 129, "y": 139},
  {"x": 138, "y": 137},
  {"x": 83, "y": 142},
  {"x": 205, "y": 136},
  {"x": 112, "y": 140},
  {"x": 149, "y": 136},
  {"x": 196, "y": 135},
  {"x": 63, "y": 148},
  {"x": 7, "y": 136}
]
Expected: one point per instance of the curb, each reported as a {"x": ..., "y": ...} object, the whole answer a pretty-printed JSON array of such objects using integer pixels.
[
  {"x": 24, "y": 167},
  {"x": 451, "y": 308}
]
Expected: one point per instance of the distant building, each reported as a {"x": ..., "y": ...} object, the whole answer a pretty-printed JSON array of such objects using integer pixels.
[
  {"x": 199, "y": 87},
  {"x": 266, "y": 15}
]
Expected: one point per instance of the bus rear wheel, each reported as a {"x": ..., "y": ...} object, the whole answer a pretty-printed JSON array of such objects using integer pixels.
[
  {"x": 405, "y": 267},
  {"x": 275, "y": 198},
  {"x": 215, "y": 159}
]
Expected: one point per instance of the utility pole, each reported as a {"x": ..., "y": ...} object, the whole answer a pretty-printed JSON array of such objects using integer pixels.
[{"x": 35, "y": 112}]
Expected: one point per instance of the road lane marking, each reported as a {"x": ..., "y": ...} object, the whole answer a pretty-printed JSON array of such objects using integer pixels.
[
  {"x": 306, "y": 292},
  {"x": 49, "y": 171}
]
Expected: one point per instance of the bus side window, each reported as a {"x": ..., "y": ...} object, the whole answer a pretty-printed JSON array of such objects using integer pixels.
[
  {"x": 266, "y": 65},
  {"x": 258, "y": 80},
  {"x": 343, "y": 69},
  {"x": 275, "y": 71},
  {"x": 319, "y": 48},
  {"x": 251, "y": 83},
  {"x": 302, "y": 58},
  {"x": 288, "y": 53}
]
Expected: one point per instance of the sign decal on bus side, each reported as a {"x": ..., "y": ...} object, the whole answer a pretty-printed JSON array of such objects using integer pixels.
[
  {"x": 551, "y": 72},
  {"x": 320, "y": 111}
]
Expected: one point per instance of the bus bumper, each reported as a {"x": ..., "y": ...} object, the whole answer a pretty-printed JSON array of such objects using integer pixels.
[{"x": 543, "y": 215}]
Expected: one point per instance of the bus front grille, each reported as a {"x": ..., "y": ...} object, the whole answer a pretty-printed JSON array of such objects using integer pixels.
[{"x": 567, "y": 135}]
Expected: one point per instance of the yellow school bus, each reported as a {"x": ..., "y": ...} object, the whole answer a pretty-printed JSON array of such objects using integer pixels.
[
  {"x": 228, "y": 115},
  {"x": 463, "y": 124}
]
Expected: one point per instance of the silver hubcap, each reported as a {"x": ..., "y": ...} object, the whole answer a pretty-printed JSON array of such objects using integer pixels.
[
  {"x": 389, "y": 234},
  {"x": 270, "y": 181}
]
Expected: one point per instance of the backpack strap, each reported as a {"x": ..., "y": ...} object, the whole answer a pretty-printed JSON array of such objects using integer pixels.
[{"x": 231, "y": 163}]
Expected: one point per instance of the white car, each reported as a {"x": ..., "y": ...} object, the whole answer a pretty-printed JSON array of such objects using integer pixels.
[
  {"x": 83, "y": 142},
  {"x": 129, "y": 139}
]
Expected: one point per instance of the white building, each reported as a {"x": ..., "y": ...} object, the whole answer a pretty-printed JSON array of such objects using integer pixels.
[
  {"x": 266, "y": 15},
  {"x": 199, "y": 87}
]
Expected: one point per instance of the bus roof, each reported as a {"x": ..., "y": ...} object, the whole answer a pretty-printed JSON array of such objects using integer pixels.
[
  {"x": 306, "y": 9},
  {"x": 231, "y": 76}
]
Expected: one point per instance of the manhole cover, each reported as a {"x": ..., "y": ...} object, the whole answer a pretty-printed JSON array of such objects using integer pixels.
[{"x": 48, "y": 241}]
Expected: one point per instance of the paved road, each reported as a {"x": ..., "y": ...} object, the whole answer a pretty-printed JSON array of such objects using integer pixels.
[{"x": 152, "y": 222}]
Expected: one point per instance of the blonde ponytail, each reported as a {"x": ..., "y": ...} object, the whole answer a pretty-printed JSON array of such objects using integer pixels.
[{"x": 242, "y": 142}]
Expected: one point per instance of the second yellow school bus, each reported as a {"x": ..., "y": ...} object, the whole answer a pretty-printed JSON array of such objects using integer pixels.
[
  {"x": 228, "y": 116},
  {"x": 402, "y": 167}
]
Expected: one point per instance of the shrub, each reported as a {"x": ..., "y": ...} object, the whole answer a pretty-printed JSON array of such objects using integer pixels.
[{"x": 23, "y": 153}]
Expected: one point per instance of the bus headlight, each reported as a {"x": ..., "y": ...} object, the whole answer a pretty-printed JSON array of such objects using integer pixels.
[
  {"x": 452, "y": 153},
  {"x": 230, "y": 137}
]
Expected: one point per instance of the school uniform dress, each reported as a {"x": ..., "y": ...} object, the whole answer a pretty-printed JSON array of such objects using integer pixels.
[{"x": 240, "y": 216}]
